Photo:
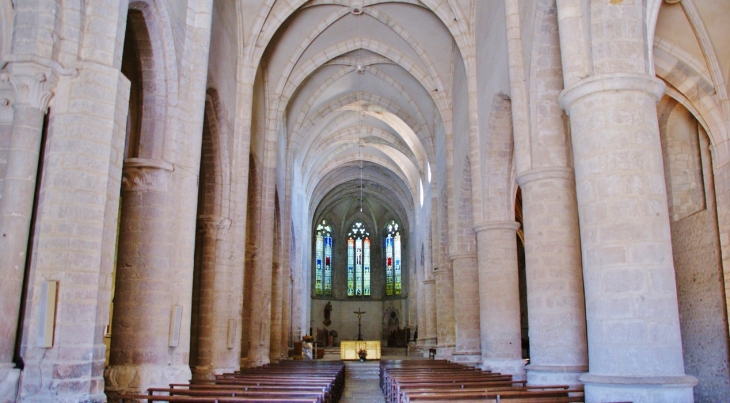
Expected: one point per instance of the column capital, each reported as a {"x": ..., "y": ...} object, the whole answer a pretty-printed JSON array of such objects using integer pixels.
[
  {"x": 534, "y": 174},
  {"x": 140, "y": 174},
  {"x": 33, "y": 79},
  {"x": 6, "y": 104},
  {"x": 214, "y": 226},
  {"x": 429, "y": 281},
  {"x": 443, "y": 270},
  {"x": 463, "y": 255},
  {"x": 611, "y": 82},
  {"x": 497, "y": 225}
]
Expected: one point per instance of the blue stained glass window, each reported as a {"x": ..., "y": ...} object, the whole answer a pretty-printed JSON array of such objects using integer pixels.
[
  {"x": 323, "y": 259},
  {"x": 358, "y": 261},
  {"x": 393, "y": 274}
]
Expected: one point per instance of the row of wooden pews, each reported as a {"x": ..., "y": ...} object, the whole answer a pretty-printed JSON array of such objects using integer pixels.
[
  {"x": 442, "y": 381},
  {"x": 288, "y": 381}
]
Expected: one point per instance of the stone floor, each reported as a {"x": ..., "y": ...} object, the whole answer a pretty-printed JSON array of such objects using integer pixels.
[
  {"x": 361, "y": 379},
  {"x": 361, "y": 382}
]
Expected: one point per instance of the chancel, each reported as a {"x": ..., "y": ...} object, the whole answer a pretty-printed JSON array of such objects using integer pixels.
[{"x": 194, "y": 192}]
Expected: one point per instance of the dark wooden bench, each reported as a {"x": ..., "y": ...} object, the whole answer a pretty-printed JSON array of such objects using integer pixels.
[
  {"x": 439, "y": 381},
  {"x": 297, "y": 382}
]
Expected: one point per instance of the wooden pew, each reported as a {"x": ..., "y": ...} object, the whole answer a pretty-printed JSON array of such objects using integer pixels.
[
  {"x": 433, "y": 381},
  {"x": 298, "y": 382},
  {"x": 188, "y": 399}
]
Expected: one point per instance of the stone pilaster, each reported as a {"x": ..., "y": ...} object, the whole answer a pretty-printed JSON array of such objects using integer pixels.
[
  {"x": 429, "y": 337},
  {"x": 634, "y": 344},
  {"x": 141, "y": 354},
  {"x": 556, "y": 308},
  {"x": 445, "y": 312},
  {"x": 467, "y": 348},
  {"x": 33, "y": 86},
  {"x": 499, "y": 298},
  {"x": 216, "y": 354}
]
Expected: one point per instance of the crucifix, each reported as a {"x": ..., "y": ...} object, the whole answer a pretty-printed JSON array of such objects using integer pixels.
[{"x": 359, "y": 316}]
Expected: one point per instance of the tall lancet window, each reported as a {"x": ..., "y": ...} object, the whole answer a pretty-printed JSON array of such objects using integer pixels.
[
  {"x": 392, "y": 260},
  {"x": 358, "y": 261},
  {"x": 323, "y": 260}
]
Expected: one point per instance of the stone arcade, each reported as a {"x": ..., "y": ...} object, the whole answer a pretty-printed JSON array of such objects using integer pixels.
[{"x": 559, "y": 171}]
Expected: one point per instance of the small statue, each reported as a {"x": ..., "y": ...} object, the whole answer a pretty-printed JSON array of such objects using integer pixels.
[{"x": 327, "y": 313}]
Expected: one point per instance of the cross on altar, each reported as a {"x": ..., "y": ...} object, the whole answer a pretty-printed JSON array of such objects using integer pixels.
[{"x": 359, "y": 316}]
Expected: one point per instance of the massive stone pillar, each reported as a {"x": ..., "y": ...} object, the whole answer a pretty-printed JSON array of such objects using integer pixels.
[
  {"x": 148, "y": 335},
  {"x": 74, "y": 239},
  {"x": 634, "y": 345},
  {"x": 217, "y": 324},
  {"x": 445, "y": 312},
  {"x": 634, "y": 342},
  {"x": 556, "y": 309},
  {"x": 259, "y": 326},
  {"x": 466, "y": 308},
  {"x": 277, "y": 280},
  {"x": 33, "y": 85},
  {"x": 429, "y": 335},
  {"x": 499, "y": 298}
]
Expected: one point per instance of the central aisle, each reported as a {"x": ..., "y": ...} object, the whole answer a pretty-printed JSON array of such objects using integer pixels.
[{"x": 361, "y": 382}]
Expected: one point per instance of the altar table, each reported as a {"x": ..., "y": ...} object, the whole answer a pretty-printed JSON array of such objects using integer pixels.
[{"x": 349, "y": 349}]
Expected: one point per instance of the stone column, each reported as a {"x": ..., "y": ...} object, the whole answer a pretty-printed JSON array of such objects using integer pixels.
[
  {"x": 421, "y": 319},
  {"x": 445, "y": 312},
  {"x": 276, "y": 309},
  {"x": 556, "y": 308},
  {"x": 499, "y": 298},
  {"x": 429, "y": 334},
  {"x": 634, "y": 344},
  {"x": 214, "y": 354},
  {"x": 32, "y": 85},
  {"x": 466, "y": 308},
  {"x": 259, "y": 326},
  {"x": 141, "y": 353}
]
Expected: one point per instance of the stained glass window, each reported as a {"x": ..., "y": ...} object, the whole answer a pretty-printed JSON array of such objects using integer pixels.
[
  {"x": 323, "y": 259},
  {"x": 358, "y": 261},
  {"x": 393, "y": 276}
]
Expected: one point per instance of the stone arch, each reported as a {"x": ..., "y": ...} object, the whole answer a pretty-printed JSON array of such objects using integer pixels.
[
  {"x": 391, "y": 320},
  {"x": 426, "y": 140},
  {"x": 263, "y": 33},
  {"x": 690, "y": 84},
  {"x": 287, "y": 87},
  {"x": 696, "y": 252},
  {"x": 146, "y": 25}
]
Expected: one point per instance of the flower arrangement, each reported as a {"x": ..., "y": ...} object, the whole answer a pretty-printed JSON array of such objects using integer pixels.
[{"x": 362, "y": 353}]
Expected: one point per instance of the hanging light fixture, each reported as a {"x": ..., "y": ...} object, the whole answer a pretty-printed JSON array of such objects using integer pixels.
[{"x": 360, "y": 68}]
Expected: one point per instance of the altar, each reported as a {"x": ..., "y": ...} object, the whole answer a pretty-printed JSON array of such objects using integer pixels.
[{"x": 349, "y": 349}]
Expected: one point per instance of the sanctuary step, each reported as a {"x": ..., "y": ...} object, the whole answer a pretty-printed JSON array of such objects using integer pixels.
[
  {"x": 394, "y": 351},
  {"x": 362, "y": 370},
  {"x": 332, "y": 353}
]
